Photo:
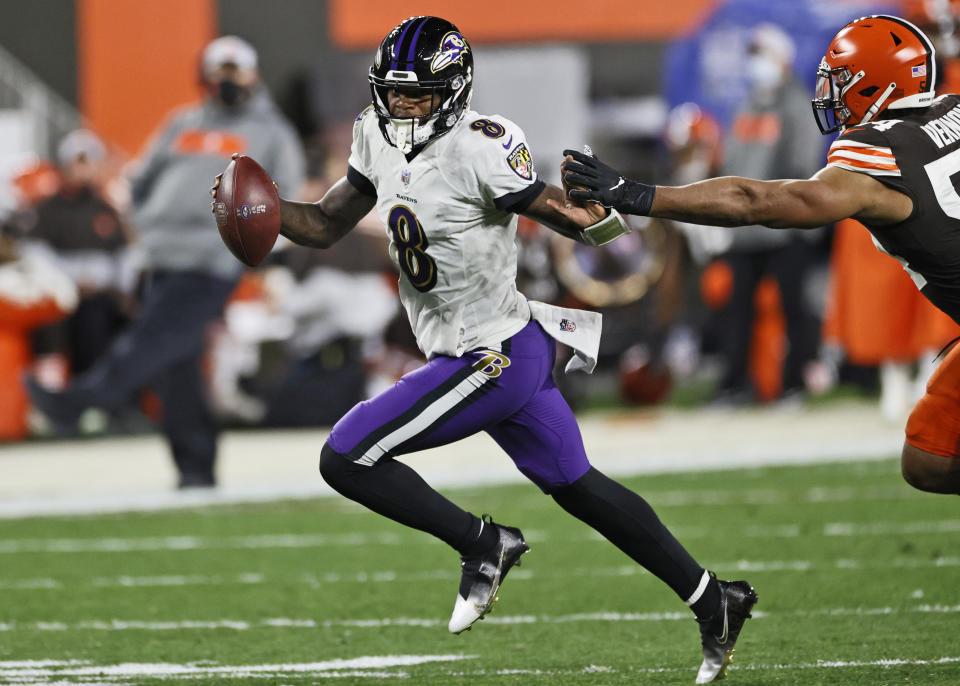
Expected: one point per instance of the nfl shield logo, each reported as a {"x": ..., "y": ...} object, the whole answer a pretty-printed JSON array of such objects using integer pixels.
[
  {"x": 567, "y": 325},
  {"x": 405, "y": 176}
]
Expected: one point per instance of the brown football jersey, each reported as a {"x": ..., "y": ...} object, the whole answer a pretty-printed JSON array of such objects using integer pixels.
[{"x": 916, "y": 152}]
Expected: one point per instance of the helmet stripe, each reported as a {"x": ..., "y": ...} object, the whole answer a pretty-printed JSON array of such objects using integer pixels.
[
  {"x": 411, "y": 49},
  {"x": 399, "y": 46},
  {"x": 411, "y": 54}
]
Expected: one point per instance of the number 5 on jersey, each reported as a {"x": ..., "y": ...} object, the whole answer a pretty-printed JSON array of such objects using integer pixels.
[{"x": 411, "y": 244}]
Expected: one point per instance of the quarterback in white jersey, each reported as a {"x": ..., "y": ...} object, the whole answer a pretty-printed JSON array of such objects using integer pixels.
[
  {"x": 448, "y": 183},
  {"x": 451, "y": 216}
]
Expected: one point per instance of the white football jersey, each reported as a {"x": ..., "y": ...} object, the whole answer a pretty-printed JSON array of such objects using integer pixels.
[{"x": 451, "y": 232}]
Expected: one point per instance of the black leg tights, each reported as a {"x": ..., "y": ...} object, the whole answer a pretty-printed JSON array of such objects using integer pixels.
[
  {"x": 627, "y": 521},
  {"x": 394, "y": 490}
]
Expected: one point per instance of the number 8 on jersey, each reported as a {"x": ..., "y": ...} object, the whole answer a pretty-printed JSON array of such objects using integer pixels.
[{"x": 411, "y": 245}]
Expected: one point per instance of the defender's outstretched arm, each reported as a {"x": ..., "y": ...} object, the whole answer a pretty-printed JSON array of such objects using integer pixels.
[{"x": 828, "y": 196}]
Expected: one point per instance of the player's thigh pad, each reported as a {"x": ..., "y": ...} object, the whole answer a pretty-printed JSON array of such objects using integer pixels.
[
  {"x": 447, "y": 399},
  {"x": 934, "y": 423}
]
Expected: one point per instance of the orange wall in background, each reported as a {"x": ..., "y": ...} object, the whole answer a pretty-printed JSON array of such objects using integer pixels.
[
  {"x": 355, "y": 24},
  {"x": 137, "y": 61}
]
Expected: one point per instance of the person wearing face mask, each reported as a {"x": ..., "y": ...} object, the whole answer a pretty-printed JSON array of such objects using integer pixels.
[
  {"x": 771, "y": 138},
  {"x": 189, "y": 276},
  {"x": 82, "y": 232}
]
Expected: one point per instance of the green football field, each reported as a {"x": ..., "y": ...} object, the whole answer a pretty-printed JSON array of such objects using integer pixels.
[{"x": 858, "y": 578}]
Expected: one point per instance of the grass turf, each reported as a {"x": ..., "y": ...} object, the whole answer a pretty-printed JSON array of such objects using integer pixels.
[{"x": 857, "y": 577}]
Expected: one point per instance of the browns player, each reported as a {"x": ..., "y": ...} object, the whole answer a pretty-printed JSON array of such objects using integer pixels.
[{"x": 891, "y": 168}]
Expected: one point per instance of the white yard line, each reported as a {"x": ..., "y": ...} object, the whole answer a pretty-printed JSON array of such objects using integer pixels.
[
  {"x": 822, "y": 664},
  {"x": 425, "y": 622},
  {"x": 171, "y": 543},
  {"x": 778, "y": 496},
  {"x": 30, "y": 584},
  {"x": 370, "y": 668},
  {"x": 45, "y": 669},
  {"x": 125, "y": 545},
  {"x": 388, "y": 576},
  {"x": 944, "y": 526}
]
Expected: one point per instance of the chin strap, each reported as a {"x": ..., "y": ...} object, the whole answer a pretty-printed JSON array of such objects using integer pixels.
[
  {"x": 877, "y": 104},
  {"x": 407, "y": 133}
]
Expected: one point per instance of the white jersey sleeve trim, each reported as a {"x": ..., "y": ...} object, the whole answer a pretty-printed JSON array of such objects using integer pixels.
[
  {"x": 857, "y": 144},
  {"x": 851, "y": 155},
  {"x": 862, "y": 170}
]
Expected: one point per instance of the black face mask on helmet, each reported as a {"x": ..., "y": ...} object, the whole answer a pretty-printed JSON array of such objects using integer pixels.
[
  {"x": 426, "y": 56},
  {"x": 231, "y": 93}
]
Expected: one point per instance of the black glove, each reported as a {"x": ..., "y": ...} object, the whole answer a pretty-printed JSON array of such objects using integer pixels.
[{"x": 605, "y": 185}]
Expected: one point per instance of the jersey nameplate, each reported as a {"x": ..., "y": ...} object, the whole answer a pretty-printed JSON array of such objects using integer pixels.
[{"x": 944, "y": 130}]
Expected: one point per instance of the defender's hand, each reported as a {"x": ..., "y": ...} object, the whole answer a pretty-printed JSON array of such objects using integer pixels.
[
  {"x": 582, "y": 213},
  {"x": 590, "y": 180}
]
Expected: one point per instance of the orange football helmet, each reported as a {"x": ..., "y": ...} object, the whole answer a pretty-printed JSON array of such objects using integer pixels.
[{"x": 873, "y": 64}]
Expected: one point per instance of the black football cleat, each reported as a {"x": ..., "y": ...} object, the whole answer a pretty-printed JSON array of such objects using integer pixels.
[
  {"x": 483, "y": 575},
  {"x": 720, "y": 632}
]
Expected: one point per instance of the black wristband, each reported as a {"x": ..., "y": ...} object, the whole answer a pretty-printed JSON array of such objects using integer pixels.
[{"x": 634, "y": 197}]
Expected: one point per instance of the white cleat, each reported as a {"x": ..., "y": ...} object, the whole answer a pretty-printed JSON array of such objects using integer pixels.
[{"x": 483, "y": 575}]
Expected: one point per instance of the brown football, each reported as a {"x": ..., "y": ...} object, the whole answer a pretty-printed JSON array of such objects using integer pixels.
[{"x": 247, "y": 209}]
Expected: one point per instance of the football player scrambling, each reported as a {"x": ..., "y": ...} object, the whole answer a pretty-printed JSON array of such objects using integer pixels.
[
  {"x": 891, "y": 168},
  {"x": 448, "y": 184}
]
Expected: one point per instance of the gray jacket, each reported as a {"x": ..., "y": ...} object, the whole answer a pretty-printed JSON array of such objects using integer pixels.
[
  {"x": 774, "y": 140},
  {"x": 171, "y": 192}
]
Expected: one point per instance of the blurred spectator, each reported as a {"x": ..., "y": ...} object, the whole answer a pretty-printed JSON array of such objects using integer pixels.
[
  {"x": 36, "y": 183},
  {"x": 33, "y": 292},
  {"x": 877, "y": 317},
  {"x": 322, "y": 295},
  {"x": 772, "y": 137},
  {"x": 190, "y": 273},
  {"x": 293, "y": 351},
  {"x": 85, "y": 236},
  {"x": 693, "y": 140},
  {"x": 649, "y": 369}
]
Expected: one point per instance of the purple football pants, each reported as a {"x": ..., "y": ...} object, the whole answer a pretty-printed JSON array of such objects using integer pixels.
[{"x": 506, "y": 391}]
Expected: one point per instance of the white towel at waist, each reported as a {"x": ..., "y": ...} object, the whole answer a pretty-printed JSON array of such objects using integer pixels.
[{"x": 577, "y": 328}]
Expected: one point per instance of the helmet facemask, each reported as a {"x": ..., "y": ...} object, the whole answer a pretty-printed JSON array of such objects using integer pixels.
[
  {"x": 828, "y": 107},
  {"x": 422, "y": 57},
  {"x": 449, "y": 100}
]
